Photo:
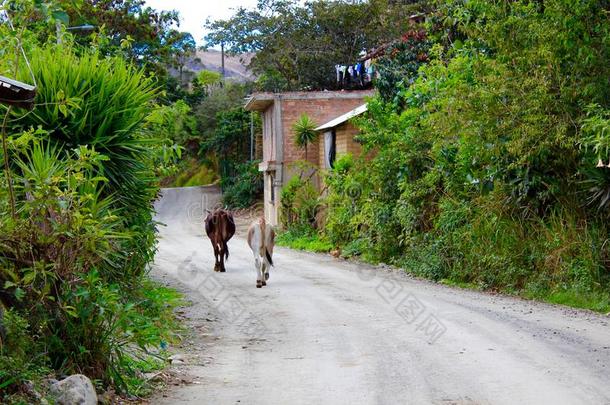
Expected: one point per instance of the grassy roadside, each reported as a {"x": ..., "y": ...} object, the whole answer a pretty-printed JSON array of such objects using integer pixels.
[
  {"x": 309, "y": 241},
  {"x": 191, "y": 173},
  {"x": 150, "y": 310},
  {"x": 567, "y": 296}
]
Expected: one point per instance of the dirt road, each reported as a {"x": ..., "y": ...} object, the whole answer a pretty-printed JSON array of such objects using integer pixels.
[{"x": 325, "y": 331}]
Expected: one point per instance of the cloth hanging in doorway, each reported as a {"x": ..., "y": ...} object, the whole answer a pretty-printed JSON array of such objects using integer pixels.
[{"x": 329, "y": 149}]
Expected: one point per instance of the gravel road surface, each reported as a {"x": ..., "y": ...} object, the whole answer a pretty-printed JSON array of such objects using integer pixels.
[{"x": 327, "y": 331}]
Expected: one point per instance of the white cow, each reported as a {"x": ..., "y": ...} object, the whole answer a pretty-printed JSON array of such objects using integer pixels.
[{"x": 261, "y": 239}]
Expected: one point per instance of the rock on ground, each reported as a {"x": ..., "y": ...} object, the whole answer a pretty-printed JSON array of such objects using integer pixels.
[{"x": 74, "y": 390}]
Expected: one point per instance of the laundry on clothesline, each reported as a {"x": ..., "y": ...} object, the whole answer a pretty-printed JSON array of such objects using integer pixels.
[{"x": 357, "y": 74}]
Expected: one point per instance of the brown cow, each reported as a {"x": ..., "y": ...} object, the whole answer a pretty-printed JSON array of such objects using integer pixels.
[{"x": 220, "y": 227}]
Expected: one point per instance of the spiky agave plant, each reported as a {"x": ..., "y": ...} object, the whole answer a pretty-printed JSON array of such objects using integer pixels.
[
  {"x": 305, "y": 132},
  {"x": 101, "y": 102}
]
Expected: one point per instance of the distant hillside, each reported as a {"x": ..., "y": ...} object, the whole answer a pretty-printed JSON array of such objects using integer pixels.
[{"x": 235, "y": 66}]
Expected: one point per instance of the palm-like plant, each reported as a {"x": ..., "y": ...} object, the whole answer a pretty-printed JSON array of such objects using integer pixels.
[
  {"x": 305, "y": 132},
  {"x": 101, "y": 102}
]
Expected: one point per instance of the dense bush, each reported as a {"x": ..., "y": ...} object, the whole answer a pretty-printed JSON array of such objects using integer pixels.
[
  {"x": 485, "y": 168},
  {"x": 244, "y": 189},
  {"x": 227, "y": 140},
  {"x": 21, "y": 357},
  {"x": 77, "y": 230},
  {"x": 400, "y": 63},
  {"x": 171, "y": 126},
  {"x": 103, "y": 103},
  {"x": 302, "y": 211},
  {"x": 55, "y": 258}
]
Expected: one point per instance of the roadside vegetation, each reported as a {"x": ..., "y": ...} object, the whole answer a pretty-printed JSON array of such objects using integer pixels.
[
  {"x": 191, "y": 172},
  {"x": 303, "y": 239},
  {"x": 486, "y": 160},
  {"x": 80, "y": 173},
  {"x": 215, "y": 135}
]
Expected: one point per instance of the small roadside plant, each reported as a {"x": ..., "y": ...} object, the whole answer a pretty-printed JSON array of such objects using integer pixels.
[
  {"x": 300, "y": 211},
  {"x": 305, "y": 132},
  {"x": 300, "y": 199}
]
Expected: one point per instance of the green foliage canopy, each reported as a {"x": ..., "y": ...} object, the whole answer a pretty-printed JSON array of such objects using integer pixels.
[
  {"x": 297, "y": 45},
  {"x": 484, "y": 164}
]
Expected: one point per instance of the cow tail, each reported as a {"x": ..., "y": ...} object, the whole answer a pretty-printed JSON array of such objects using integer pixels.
[{"x": 269, "y": 259}]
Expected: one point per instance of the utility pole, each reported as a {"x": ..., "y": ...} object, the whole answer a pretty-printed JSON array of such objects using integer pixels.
[
  {"x": 222, "y": 56},
  {"x": 251, "y": 135}
]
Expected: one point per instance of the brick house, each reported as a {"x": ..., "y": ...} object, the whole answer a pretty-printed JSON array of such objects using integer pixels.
[
  {"x": 337, "y": 138},
  {"x": 279, "y": 112}
]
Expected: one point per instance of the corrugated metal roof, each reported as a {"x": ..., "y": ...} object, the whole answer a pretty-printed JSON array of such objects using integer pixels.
[{"x": 345, "y": 117}]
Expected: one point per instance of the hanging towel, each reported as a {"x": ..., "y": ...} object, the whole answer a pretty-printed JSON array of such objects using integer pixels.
[{"x": 329, "y": 149}]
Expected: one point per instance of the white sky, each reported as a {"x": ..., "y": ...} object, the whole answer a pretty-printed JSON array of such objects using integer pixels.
[{"x": 193, "y": 13}]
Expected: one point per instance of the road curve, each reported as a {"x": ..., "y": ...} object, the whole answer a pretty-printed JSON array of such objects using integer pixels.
[{"x": 327, "y": 331}]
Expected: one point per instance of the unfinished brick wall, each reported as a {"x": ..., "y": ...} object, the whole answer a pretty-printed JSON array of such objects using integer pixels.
[
  {"x": 258, "y": 146},
  {"x": 269, "y": 136},
  {"x": 344, "y": 142},
  {"x": 320, "y": 111}
]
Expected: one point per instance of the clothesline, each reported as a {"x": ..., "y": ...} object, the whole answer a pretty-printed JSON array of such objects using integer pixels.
[{"x": 360, "y": 73}]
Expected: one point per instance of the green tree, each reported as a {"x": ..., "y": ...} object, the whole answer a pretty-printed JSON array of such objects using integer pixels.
[
  {"x": 301, "y": 43},
  {"x": 181, "y": 46},
  {"x": 219, "y": 99},
  {"x": 208, "y": 78},
  {"x": 399, "y": 66},
  {"x": 149, "y": 32}
]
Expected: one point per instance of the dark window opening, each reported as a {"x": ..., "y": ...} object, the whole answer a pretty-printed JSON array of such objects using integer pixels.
[{"x": 272, "y": 193}]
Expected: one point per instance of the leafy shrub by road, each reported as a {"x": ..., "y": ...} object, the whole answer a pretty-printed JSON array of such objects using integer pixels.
[
  {"x": 245, "y": 188},
  {"x": 486, "y": 168},
  {"x": 74, "y": 255}
]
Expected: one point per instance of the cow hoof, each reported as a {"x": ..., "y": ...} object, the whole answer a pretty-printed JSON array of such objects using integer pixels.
[
  {"x": 259, "y": 285},
  {"x": 222, "y": 270},
  {"x": 264, "y": 283}
]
